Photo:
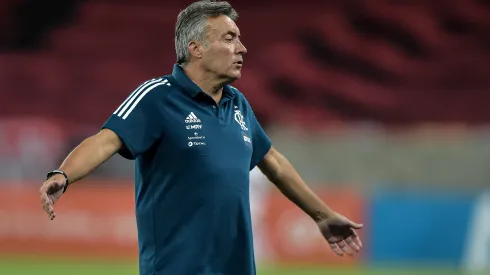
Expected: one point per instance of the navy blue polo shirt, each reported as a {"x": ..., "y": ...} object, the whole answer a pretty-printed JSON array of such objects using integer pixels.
[{"x": 192, "y": 163}]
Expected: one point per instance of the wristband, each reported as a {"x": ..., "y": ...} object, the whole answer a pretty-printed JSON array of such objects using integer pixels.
[{"x": 54, "y": 172}]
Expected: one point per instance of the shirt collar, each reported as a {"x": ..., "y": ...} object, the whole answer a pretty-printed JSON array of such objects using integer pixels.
[{"x": 191, "y": 88}]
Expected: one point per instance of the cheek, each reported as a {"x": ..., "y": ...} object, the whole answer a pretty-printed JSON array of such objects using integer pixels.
[
  {"x": 222, "y": 59},
  {"x": 227, "y": 52},
  {"x": 220, "y": 56}
]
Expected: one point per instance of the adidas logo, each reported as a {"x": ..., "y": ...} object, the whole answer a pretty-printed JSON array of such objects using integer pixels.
[{"x": 192, "y": 118}]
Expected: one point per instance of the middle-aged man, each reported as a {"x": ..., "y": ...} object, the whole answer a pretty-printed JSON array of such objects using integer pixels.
[{"x": 194, "y": 139}]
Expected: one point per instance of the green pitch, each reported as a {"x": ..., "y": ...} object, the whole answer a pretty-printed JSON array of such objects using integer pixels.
[{"x": 52, "y": 266}]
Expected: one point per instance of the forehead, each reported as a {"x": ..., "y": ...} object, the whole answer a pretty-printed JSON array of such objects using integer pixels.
[{"x": 221, "y": 25}]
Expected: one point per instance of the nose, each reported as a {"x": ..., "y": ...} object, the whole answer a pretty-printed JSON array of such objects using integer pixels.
[{"x": 241, "y": 48}]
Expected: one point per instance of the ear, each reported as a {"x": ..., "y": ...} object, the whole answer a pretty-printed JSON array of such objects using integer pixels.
[{"x": 195, "y": 49}]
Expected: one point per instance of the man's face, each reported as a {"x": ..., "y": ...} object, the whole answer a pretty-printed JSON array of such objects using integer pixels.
[{"x": 224, "y": 52}]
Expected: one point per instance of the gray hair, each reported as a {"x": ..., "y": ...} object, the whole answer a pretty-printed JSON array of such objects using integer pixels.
[{"x": 191, "y": 24}]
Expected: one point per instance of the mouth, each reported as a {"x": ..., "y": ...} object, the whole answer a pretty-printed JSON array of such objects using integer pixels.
[{"x": 239, "y": 63}]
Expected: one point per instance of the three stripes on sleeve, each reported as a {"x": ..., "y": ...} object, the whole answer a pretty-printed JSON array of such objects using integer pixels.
[{"x": 135, "y": 97}]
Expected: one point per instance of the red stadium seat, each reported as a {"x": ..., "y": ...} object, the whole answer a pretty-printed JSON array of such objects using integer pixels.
[{"x": 347, "y": 61}]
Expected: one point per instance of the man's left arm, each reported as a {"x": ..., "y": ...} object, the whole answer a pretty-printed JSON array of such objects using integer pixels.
[
  {"x": 280, "y": 172},
  {"x": 337, "y": 230}
]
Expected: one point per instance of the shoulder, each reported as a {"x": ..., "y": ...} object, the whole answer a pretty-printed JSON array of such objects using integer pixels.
[
  {"x": 236, "y": 91},
  {"x": 152, "y": 90},
  {"x": 241, "y": 99},
  {"x": 239, "y": 95},
  {"x": 161, "y": 84}
]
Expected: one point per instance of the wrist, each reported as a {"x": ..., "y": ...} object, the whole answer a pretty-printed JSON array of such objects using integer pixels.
[
  {"x": 321, "y": 215},
  {"x": 59, "y": 175}
]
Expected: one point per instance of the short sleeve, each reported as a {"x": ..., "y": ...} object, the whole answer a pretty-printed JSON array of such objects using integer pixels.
[
  {"x": 138, "y": 120},
  {"x": 260, "y": 141}
]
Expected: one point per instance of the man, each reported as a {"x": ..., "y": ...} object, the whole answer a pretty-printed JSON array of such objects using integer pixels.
[{"x": 194, "y": 140}]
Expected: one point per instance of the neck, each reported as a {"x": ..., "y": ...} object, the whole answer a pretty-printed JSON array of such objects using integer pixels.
[{"x": 207, "y": 81}]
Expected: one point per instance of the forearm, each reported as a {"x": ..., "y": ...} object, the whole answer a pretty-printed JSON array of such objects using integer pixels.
[
  {"x": 290, "y": 183},
  {"x": 90, "y": 154}
]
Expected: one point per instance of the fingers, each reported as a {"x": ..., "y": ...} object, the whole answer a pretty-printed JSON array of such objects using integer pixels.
[
  {"x": 353, "y": 240},
  {"x": 50, "y": 211},
  {"x": 48, "y": 206},
  {"x": 352, "y": 244},
  {"x": 340, "y": 248},
  {"x": 348, "y": 246},
  {"x": 47, "y": 203},
  {"x": 343, "y": 245},
  {"x": 356, "y": 225},
  {"x": 336, "y": 249},
  {"x": 356, "y": 239}
]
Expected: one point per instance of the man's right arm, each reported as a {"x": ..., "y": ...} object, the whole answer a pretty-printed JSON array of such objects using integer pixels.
[
  {"x": 130, "y": 131},
  {"x": 90, "y": 154},
  {"x": 87, "y": 156}
]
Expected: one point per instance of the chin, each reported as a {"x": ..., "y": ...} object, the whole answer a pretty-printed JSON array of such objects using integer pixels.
[
  {"x": 235, "y": 75},
  {"x": 231, "y": 76}
]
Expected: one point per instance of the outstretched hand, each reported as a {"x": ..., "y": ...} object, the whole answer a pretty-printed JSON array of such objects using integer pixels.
[
  {"x": 50, "y": 192},
  {"x": 340, "y": 234}
]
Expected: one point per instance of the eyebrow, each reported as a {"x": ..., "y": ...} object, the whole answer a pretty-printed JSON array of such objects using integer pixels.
[{"x": 234, "y": 34}]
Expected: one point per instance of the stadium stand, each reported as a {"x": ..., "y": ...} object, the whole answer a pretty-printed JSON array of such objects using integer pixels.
[{"x": 359, "y": 60}]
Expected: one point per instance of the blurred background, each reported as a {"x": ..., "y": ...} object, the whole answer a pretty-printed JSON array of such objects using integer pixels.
[{"x": 382, "y": 105}]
